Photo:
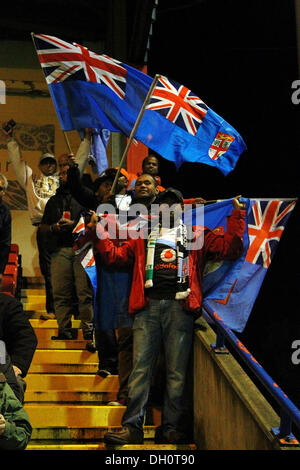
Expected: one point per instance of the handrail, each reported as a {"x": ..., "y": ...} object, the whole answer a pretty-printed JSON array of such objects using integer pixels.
[{"x": 290, "y": 413}]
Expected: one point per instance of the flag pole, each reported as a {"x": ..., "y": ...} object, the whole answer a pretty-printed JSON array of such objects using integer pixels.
[
  {"x": 65, "y": 135},
  {"x": 137, "y": 122},
  {"x": 67, "y": 142}
]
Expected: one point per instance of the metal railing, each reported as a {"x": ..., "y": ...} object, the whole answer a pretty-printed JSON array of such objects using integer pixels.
[{"x": 289, "y": 412}]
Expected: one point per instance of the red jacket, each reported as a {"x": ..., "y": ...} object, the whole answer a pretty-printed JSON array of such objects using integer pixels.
[{"x": 225, "y": 246}]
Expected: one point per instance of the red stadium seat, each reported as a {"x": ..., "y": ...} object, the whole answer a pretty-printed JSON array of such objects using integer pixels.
[
  {"x": 14, "y": 248},
  {"x": 13, "y": 258}
]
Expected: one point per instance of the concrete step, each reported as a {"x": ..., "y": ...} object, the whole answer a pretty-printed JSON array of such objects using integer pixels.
[
  {"x": 25, "y": 293},
  {"x": 117, "y": 459},
  {"x": 72, "y": 382},
  {"x": 45, "y": 333},
  {"x": 44, "y": 415},
  {"x": 34, "y": 305},
  {"x": 33, "y": 296},
  {"x": 46, "y": 329},
  {"x": 67, "y": 396},
  {"x": 63, "y": 368},
  {"x": 79, "y": 433},
  {"x": 50, "y": 324},
  {"x": 69, "y": 356},
  {"x": 59, "y": 344}
]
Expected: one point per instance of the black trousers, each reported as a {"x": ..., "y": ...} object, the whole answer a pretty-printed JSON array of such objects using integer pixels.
[
  {"x": 45, "y": 262},
  {"x": 125, "y": 355},
  {"x": 106, "y": 344}
]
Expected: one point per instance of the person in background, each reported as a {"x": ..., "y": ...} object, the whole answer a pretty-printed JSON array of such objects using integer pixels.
[
  {"x": 150, "y": 165},
  {"x": 5, "y": 227},
  {"x": 109, "y": 282},
  {"x": 39, "y": 188},
  {"x": 20, "y": 340},
  {"x": 61, "y": 215},
  {"x": 15, "y": 426}
]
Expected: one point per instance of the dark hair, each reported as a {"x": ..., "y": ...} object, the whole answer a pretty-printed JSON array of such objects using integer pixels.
[
  {"x": 99, "y": 181},
  {"x": 149, "y": 156},
  {"x": 153, "y": 177}
]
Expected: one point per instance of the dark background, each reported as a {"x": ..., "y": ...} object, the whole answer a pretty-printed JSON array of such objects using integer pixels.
[{"x": 240, "y": 58}]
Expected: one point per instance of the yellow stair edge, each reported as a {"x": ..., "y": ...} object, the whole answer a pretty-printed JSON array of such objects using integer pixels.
[
  {"x": 72, "y": 382},
  {"x": 34, "y": 396},
  {"x": 67, "y": 356},
  {"x": 32, "y": 291},
  {"x": 38, "y": 323},
  {"x": 80, "y": 433},
  {"x": 33, "y": 297},
  {"x": 45, "y": 415},
  {"x": 87, "y": 368},
  {"x": 60, "y": 344},
  {"x": 33, "y": 306},
  {"x": 102, "y": 446}
]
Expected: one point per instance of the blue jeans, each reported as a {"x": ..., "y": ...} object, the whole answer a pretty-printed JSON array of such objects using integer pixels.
[{"x": 161, "y": 321}]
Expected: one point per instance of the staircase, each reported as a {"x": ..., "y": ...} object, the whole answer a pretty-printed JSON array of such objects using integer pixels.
[{"x": 65, "y": 399}]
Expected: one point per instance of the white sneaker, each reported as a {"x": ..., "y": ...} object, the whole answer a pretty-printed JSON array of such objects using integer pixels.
[{"x": 115, "y": 403}]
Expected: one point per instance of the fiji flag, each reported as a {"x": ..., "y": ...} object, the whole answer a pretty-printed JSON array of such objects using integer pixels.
[
  {"x": 91, "y": 90},
  {"x": 266, "y": 222},
  {"x": 219, "y": 276}
]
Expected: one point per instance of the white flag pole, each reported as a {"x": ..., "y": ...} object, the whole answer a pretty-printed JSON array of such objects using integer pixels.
[{"x": 137, "y": 122}]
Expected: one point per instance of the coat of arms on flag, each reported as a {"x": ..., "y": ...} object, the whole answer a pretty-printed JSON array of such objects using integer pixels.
[{"x": 220, "y": 145}]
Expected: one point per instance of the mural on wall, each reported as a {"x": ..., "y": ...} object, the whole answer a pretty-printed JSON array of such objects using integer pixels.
[{"x": 30, "y": 138}]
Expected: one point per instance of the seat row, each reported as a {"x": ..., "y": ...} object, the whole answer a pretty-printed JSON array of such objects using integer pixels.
[{"x": 11, "y": 280}]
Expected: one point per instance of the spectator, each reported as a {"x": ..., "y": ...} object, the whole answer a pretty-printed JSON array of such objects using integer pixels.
[
  {"x": 101, "y": 188},
  {"x": 39, "y": 188},
  {"x": 5, "y": 227},
  {"x": 114, "y": 290},
  {"x": 165, "y": 300},
  {"x": 20, "y": 340},
  {"x": 150, "y": 165},
  {"x": 61, "y": 215},
  {"x": 15, "y": 427},
  {"x": 108, "y": 280}
]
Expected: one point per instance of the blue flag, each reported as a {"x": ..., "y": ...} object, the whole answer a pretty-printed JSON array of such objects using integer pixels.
[
  {"x": 100, "y": 138},
  {"x": 218, "y": 277},
  {"x": 91, "y": 90},
  {"x": 266, "y": 222}
]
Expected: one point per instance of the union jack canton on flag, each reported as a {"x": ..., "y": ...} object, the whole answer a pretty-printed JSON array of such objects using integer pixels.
[{"x": 92, "y": 90}]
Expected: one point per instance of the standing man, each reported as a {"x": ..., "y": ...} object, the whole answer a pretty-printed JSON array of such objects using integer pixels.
[
  {"x": 39, "y": 188},
  {"x": 165, "y": 299},
  {"x": 61, "y": 215},
  {"x": 5, "y": 228},
  {"x": 114, "y": 290},
  {"x": 111, "y": 284}
]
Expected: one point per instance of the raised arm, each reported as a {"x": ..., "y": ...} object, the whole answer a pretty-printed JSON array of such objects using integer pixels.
[
  {"x": 83, "y": 151},
  {"x": 21, "y": 169},
  {"x": 227, "y": 246}
]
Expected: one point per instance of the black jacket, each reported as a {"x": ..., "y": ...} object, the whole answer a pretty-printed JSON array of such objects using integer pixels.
[
  {"x": 5, "y": 235},
  {"x": 83, "y": 194},
  {"x": 57, "y": 204},
  {"x": 17, "y": 333}
]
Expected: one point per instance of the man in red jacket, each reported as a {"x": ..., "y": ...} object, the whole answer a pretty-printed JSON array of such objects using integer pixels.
[{"x": 165, "y": 298}]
